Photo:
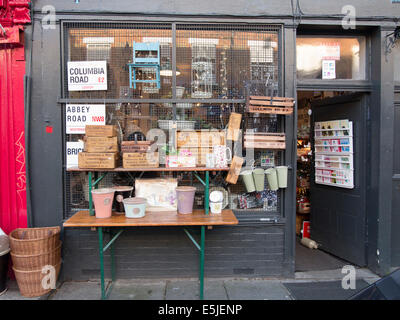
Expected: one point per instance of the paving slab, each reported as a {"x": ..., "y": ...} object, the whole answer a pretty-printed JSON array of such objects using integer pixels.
[
  {"x": 189, "y": 290},
  {"x": 256, "y": 290},
  {"x": 13, "y": 293},
  {"x": 138, "y": 290},
  {"x": 334, "y": 274},
  {"x": 78, "y": 290}
]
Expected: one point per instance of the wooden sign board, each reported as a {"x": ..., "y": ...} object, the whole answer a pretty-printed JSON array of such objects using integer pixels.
[
  {"x": 265, "y": 140},
  {"x": 234, "y": 126},
  {"x": 234, "y": 170},
  {"x": 270, "y": 105},
  {"x": 269, "y": 110}
]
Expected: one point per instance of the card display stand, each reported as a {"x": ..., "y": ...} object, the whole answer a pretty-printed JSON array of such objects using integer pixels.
[{"x": 333, "y": 146}]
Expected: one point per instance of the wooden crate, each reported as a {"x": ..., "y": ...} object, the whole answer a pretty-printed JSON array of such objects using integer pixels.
[
  {"x": 101, "y": 144},
  {"x": 105, "y": 160},
  {"x": 101, "y": 131},
  {"x": 136, "y": 146},
  {"x": 270, "y": 105},
  {"x": 140, "y": 160},
  {"x": 199, "y": 153},
  {"x": 195, "y": 139},
  {"x": 264, "y": 140}
]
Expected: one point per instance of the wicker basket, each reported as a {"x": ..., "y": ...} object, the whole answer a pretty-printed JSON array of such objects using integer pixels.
[
  {"x": 32, "y": 241},
  {"x": 30, "y": 282},
  {"x": 37, "y": 261}
]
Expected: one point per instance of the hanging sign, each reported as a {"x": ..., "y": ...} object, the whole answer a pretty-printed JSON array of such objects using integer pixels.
[
  {"x": 77, "y": 116},
  {"x": 87, "y": 75},
  {"x": 73, "y": 148},
  {"x": 328, "y": 69}
]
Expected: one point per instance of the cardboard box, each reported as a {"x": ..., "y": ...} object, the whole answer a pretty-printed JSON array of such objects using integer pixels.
[
  {"x": 101, "y": 131},
  {"x": 140, "y": 160},
  {"x": 105, "y": 160},
  {"x": 160, "y": 193},
  {"x": 101, "y": 144}
]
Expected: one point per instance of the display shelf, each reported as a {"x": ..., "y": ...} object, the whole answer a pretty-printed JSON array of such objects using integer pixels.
[
  {"x": 333, "y": 168},
  {"x": 330, "y": 154},
  {"x": 206, "y": 182},
  {"x": 336, "y": 185},
  {"x": 144, "y": 169},
  {"x": 332, "y": 137}
]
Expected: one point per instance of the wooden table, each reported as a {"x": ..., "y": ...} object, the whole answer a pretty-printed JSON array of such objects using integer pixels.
[{"x": 151, "y": 219}]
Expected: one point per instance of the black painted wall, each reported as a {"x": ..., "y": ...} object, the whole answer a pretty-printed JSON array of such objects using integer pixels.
[{"x": 396, "y": 189}]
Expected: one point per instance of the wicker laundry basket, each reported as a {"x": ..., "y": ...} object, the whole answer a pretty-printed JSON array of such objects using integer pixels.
[
  {"x": 30, "y": 282},
  {"x": 32, "y": 241},
  {"x": 36, "y": 261}
]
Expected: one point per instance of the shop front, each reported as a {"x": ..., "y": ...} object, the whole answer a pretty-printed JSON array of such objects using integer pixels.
[{"x": 168, "y": 80}]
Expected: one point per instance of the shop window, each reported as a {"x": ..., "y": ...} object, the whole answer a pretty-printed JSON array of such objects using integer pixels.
[
  {"x": 331, "y": 58},
  {"x": 212, "y": 62}
]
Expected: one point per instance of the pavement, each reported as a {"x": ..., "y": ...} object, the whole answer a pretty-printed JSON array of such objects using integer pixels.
[{"x": 188, "y": 289}]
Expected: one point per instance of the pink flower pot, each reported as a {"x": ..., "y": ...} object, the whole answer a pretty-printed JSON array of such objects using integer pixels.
[
  {"x": 103, "y": 200},
  {"x": 185, "y": 196}
]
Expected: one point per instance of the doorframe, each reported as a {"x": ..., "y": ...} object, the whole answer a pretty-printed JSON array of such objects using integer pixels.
[{"x": 364, "y": 98}]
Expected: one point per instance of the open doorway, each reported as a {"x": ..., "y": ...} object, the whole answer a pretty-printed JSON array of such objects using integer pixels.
[{"x": 331, "y": 156}]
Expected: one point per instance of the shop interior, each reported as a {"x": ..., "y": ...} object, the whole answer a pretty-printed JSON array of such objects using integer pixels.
[{"x": 306, "y": 259}]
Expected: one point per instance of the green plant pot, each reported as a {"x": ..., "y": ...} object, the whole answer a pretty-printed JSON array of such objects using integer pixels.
[
  {"x": 272, "y": 179},
  {"x": 259, "y": 178},
  {"x": 248, "y": 180},
  {"x": 282, "y": 172}
]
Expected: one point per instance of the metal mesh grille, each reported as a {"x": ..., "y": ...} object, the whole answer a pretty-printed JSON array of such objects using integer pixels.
[
  {"x": 226, "y": 61},
  {"x": 212, "y": 61}
]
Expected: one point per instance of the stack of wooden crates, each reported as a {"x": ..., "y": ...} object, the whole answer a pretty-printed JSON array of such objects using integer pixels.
[
  {"x": 199, "y": 143},
  {"x": 101, "y": 148}
]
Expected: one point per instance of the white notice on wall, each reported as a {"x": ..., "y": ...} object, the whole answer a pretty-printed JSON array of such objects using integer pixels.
[
  {"x": 328, "y": 69},
  {"x": 73, "y": 148},
  {"x": 87, "y": 75},
  {"x": 331, "y": 51},
  {"x": 77, "y": 116}
]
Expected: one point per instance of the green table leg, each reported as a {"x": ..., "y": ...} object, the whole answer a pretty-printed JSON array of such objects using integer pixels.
[
  {"x": 202, "y": 243},
  {"x": 206, "y": 196},
  {"x": 91, "y": 212},
  {"x": 112, "y": 260},
  {"x": 103, "y": 288}
]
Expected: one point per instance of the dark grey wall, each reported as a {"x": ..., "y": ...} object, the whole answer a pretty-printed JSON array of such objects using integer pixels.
[
  {"x": 381, "y": 118},
  {"x": 364, "y": 8},
  {"x": 168, "y": 253},
  {"x": 396, "y": 188},
  {"x": 45, "y": 149}
]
